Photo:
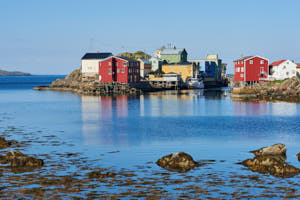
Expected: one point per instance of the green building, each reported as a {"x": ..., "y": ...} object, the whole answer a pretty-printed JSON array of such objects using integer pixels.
[{"x": 173, "y": 55}]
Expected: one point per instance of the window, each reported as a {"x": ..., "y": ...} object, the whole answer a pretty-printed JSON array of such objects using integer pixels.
[
  {"x": 237, "y": 69},
  {"x": 242, "y": 75},
  {"x": 116, "y": 64},
  {"x": 172, "y": 67},
  {"x": 179, "y": 67},
  {"x": 242, "y": 69},
  {"x": 118, "y": 70},
  {"x": 124, "y": 64},
  {"x": 262, "y": 70},
  {"x": 123, "y": 71},
  {"x": 251, "y": 61},
  {"x": 109, "y": 71},
  {"x": 261, "y": 62},
  {"x": 109, "y": 63},
  {"x": 185, "y": 67}
]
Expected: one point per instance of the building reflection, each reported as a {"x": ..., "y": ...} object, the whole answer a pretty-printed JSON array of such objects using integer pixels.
[
  {"x": 100, "y": 123},
  {"x": 250, "y": 108}
]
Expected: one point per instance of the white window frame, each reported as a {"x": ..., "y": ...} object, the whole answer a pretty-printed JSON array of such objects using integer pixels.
[
  {"x": 109, "y": 63},
  {"x": 242, "y": 69},
  {"x": 251, "y": 62},
  {"x": 262, "y": 62}
]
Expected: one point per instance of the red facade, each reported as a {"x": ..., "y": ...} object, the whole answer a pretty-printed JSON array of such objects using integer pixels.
[
  {"x": 251, "y": 68},
  {"x": 119, "y": 69}
]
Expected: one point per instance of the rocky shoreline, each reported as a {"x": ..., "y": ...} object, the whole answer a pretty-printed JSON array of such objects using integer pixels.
[
  {"x": 73, "y": 83},
  {"x": 286, "y": 90}
]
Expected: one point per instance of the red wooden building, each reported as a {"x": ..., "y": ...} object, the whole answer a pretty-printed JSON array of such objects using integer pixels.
[
  {"x": 119, "y": 69},
  {"x": 251, "y": 69}
]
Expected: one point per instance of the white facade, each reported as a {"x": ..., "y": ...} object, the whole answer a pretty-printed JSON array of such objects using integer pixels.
[
  {"x": 286, "y": 69},
  {"x": 90, "y": 67}
]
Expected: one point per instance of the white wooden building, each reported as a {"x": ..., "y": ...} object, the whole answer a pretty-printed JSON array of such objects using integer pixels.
[
  {"x": 282, "y": 69},
  {"x": 90, "y": 65}
]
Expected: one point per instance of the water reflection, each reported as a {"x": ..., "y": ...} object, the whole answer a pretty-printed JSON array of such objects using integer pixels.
[
  {"x": 97, "y": 124},
  {"x": 168, "y": 115}
]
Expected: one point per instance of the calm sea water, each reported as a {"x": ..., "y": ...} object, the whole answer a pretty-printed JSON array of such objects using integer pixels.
[{"x": 206, "y": 124}]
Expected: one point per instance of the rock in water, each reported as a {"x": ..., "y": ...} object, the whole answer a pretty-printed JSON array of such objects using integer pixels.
[
  {"x": 276, "y": 149},
  {"x": 298, "y": 156},
  {"x": 179, "y": 162},
  {"x": 4, "y": 143},
  {"x": 271, "y": 165},
  {"x": 271, "y": 160},
  {"x": 19, "y": 160}
]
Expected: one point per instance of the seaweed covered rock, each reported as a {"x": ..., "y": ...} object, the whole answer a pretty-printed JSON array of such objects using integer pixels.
[
  {"x": 179, "y": 162},
  {"x": 99, "y": 174},
  {"x": 276, "y": 149},
  {"x": 271, "y": 160},
  {"x": 19, "y": 160},
  {"x": 271, "y": 165},
  {"x": 4, "y": 143}
]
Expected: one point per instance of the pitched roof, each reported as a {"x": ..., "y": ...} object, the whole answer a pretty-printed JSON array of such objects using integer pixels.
[
  {"x": 146, "y": 61},
  {"x": 126, "y": 58},
  {"x": 89, "y": 56},
  {"x": 298, "y": 65},
  {"x": 277, "y": 63},
  {"x": 171, "y": 51},
  {"x": 243, "y": 58}
]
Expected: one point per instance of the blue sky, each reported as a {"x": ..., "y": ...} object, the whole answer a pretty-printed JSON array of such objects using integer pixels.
[{"x": 50, "y": 37}]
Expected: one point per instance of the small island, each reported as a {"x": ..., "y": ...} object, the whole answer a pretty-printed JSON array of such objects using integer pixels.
[{"x": 13, "y": 73}]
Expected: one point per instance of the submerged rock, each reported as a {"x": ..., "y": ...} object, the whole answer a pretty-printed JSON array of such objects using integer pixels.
[
  {"x": 19, "y": 160},
  {"x": 179, "y": 162},
  {"x": 276, "y": 149},
  {"x": 4, "y": 143},
  {"x": 271, "y": 165},
  {"x": 99, "y": 174}
]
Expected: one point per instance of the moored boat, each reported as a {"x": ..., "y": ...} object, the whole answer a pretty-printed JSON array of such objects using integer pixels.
[{"x": 195, "y": 83}]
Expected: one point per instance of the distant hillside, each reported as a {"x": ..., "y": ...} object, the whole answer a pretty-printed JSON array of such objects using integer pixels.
[
  {"x": 15, "y": 73},
  {"x": 136, "y": 55}
]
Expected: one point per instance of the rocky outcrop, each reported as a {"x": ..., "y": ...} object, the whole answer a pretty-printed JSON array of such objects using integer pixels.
[
  {"x": 19, "y": 160},
  {"x": 286, "y": 90},
  {"x": 271, "y": 160},
  {"x": 298, "y": 156},
  {"x": 73, "y": 83},
  {"x": 179, "y": 162}
]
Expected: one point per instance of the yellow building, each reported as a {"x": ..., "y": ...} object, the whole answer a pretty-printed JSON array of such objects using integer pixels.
[{"x": 186, "y": 70}]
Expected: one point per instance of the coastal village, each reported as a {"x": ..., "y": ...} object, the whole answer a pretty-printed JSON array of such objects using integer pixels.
[
  {"x": 169, "y": 68},
  {"x": 254, "y": 78}
]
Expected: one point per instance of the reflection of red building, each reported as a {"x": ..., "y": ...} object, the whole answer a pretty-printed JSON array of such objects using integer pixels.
[
  {"x": 119, "y": 69},
  {"x": 122, "y": 106},
  {"x": 251, "y": 69}
]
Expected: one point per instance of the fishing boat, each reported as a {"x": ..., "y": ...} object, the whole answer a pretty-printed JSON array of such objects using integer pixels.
[{"x": 195, "y": 83}]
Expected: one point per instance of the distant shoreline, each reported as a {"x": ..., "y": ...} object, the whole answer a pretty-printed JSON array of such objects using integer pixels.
[{"x": 13, "y": 73}]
